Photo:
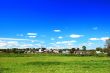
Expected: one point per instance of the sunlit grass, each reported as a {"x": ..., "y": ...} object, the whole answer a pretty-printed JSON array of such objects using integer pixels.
[{"x": 54, "y": 64}]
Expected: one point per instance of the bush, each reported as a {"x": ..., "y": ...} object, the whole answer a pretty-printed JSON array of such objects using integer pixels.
[
  {"x": 101, "y": 55},
  {"x": 108, "y": 53}
]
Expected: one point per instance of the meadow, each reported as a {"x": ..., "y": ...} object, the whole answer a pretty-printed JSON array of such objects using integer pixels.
[{"x": 49, "y": 63}]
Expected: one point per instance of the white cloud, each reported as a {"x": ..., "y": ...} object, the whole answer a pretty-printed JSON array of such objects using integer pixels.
[
  {"x": 16, "y": 39},
  {"x": 102, "y": 39},
  {"x": 13, "y": 43},
  {"x": 52, "y": 39},
  {"x": 95, "y": 28},
  {"x": 62, "y": 44},
  {"x": 57, "y": 30},
  {"x": 27, "y": 45},
  {"x": 9, "y": 44},
  {"x": 32, "y": 34},
  {"x": 93, "y": 39},
  {"x": 2, "y": 44},
  {"x": 33, "y": 41},
  {"x": 18, "y": 43},
  {"x": 60, "y": 37},
  {"x": 52, "y": 43},
  {"x": 75, "y": 36},
  {"x": 89, "y": 43},
  {"x": 65, "y": 42}
]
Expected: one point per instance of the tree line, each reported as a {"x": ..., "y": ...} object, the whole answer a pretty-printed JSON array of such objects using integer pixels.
[{"x": 76, "y": 51}]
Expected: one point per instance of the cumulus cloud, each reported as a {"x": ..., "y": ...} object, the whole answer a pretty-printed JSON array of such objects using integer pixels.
[
  {"x": 16, "y": 39},
  {"x": 89, "y": 44},
  {"x": 9, "y": 44},
  {"x": 52, "y": 39},
  {"x": 27, "y": 45},
  {"x": 18, "y": 43},
  {"x": 2, "y": 44},
  {"x": 32, "y": 34},
  {"x": 93, "y": 39},
  {"x": 76, "y": 36},
  {"x": 57, "y": 30},
  {"x": 65, "y": 42},
  {"x": 102, "y": 39},
  {"x": 60, "y": 37}
]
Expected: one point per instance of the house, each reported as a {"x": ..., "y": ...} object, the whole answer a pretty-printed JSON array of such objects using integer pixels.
[
  {"x": 65, "y": 51},
  {"x": 81, "y": 52},
  {"x": 1, "y": 51},
  {"x": 98, "y": 52},
  {"x": 78, "y": 52},
  {"x": 40, "y": 50},
  {"x": 55, "y": 51}
]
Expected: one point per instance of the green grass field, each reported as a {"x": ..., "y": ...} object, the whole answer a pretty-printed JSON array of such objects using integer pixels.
[{"x": 54, "y": 64}]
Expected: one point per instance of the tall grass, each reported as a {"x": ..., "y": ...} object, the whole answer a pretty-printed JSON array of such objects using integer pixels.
[{"x": 53, "y": 63}]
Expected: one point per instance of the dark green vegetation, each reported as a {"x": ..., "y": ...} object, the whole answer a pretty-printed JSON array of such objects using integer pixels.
[
  {"x": 53, "y": 63},
  {"x": 74, "y": 51}
]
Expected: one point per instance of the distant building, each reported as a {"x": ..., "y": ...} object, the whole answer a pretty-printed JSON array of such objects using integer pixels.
[
  {"x": 98, "y": 52},
  {"x": 1, "y": 51},
  {"x": 40, "y": 50},
  {"x": 65, "y": 51},
  {"x": 55, "y": 51}
]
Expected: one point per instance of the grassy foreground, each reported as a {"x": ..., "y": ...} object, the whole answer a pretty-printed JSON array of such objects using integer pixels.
[{"x": 54, "y": 64}]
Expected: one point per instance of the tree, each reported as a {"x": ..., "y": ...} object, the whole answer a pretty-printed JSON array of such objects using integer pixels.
[
  {"x": 14, "y": 50},
  {"x": 84, "y": 48},
  {"x": 108, "y": 53},
  {"x": 72, "y": 50},
  {"x": 43, "y": 49},
  {"x": 99, "y": 49},
  {"x": 92, "y": 52},
  {"x": 77, "y": 49}
]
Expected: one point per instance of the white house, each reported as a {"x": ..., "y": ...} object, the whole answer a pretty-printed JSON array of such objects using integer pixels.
[
  {"x": 65, "y": 51},
  {"x": 40, "y": 51},
  {"x": 98, "y": 52}
]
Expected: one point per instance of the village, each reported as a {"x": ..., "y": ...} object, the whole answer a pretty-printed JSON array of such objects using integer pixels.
[{"x": 76, "y": 51}]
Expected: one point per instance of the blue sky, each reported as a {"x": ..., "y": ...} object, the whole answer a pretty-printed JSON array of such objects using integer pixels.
[{"x": 59, "y": 23}]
